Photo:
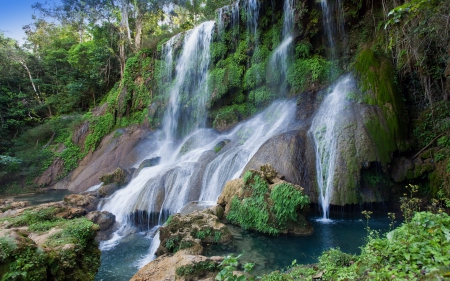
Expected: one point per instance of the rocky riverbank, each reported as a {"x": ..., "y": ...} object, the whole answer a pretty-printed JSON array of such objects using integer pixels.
[{"x": 53, "y": 241}]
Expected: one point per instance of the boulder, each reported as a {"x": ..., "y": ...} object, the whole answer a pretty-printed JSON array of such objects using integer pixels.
[
  {"x": 261, "y": 201},
  {"x": 119, "y": 176},
  {"x": 85, "y": 201},
  {"x": 49, "y": 252},
  {"x": 104, "y": 219},
  {"x": 108, "y": 189},
  {"x": 184, "y": 265},
  {"x": 147, "y": 163}
]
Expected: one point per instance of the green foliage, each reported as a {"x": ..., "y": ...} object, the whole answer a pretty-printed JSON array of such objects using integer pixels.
[
  {"x": 171, "y": 243},
  {"x": 71, "y": 155},
  {"x": 431, "y": 123},
  {"x": 229, "y": 265},
  {"x": 28, "y": 264},
  {"x": 7, "y": 246},
  {"x": 196, "y": 269},
  {"x": 217, "y": 236},
  {"x": 287, "y": 200},
  {"x": 444, "y": 142},
  {"x": 30, "y": 217},
  {"x": 80, "y": 230},
  {"x": 303, "y": 73},
  {"x": 100, "y": 126},
  {"x": 255, "y": 212},
  {"x": 410, "y": 205},
  {"x": 230, "y": 114}
]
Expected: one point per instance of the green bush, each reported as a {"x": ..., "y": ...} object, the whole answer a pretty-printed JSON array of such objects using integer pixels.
[
  {"x": 262, "y": 214},
  {"x": 304, "y": 72},
  {"x": 287, "y": 200},
  {"x": 100, "y": 126}
]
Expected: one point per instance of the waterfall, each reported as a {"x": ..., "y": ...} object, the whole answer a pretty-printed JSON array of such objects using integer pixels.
[
  {"x": 288, "y": 22},
  {"x": 282, "y": 55},
  {"x": 323, "y": 128},
  {"x": 328, "y": 26},
  {"x": 190, "y": 169},
  {"x": 331, "y": 28},
  {"x": 325, "y": 131},
  {"x": 252, "y": 15},
  {"x": 246, "y": 139},
  {"x": 230, "y": 12},
  {"x": 189, "y": 83}
]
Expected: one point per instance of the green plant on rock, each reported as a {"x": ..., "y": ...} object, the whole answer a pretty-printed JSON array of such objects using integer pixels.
[
  {"x": 197, "y": 268},
  {"x": 100, "y": 126},
  {"x": 229, "y": 265},
  {"x": 304, "y": 72},
  {"x": 287, "y": 200},
  {"x": 264, "y": 210}
]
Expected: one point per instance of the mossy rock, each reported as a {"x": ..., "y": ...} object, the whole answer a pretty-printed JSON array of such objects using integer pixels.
[
  {"x": 47, "y": 246},
  {"x": 119, "y": 176},
  {"x": 262, "y": 201},
  {"x": 183, "y": 231}
]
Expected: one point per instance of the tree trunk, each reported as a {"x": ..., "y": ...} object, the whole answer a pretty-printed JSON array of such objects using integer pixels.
[
  {"x": 137, "y": 38},
  {"x": 124, "y": 22},
  {"x": 31, "y": 80}
]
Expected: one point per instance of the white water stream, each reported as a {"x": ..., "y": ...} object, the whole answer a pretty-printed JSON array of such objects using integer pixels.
[
  {"x": 191, "y": 168},
  {"x": 325, "y": 131}
]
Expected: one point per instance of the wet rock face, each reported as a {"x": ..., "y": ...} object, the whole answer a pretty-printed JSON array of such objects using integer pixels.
[
  {"x": 292, "y": 155},
  {"x": 119, "y": 176},
  {"x": 104, "y": 219},
  {"x": 116, "y": 150}
]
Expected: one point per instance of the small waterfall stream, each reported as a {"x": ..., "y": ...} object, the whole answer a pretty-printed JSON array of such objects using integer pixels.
[
  {"x": 282, "y": 56},
  {"x": 324, "y": 129}
]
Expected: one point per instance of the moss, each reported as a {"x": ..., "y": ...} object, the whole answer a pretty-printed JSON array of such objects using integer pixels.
[
  {"x": 377, "y": 81},
  {"x": 118, "y": 176},
  {"x": 303, "y": 73},
  {"x": 70, "y": 254},
  {"x": 267, "y": 210},
  {"x": 197, "y": 269}
]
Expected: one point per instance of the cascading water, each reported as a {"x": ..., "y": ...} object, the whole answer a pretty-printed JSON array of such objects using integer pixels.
[
  {"x": 332, "y": 29},
  {"x": 252, "y": 15},
  {"x": 187, "y": 98},
  {"x": 190, "y": 169},
  {"x": 232, "y": 12},
  {"x": 281, "y": 56},
  {"x": 325, "y": 130}
]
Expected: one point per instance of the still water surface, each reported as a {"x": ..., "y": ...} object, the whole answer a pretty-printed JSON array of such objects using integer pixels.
[{"x": 346, "y": 231}]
